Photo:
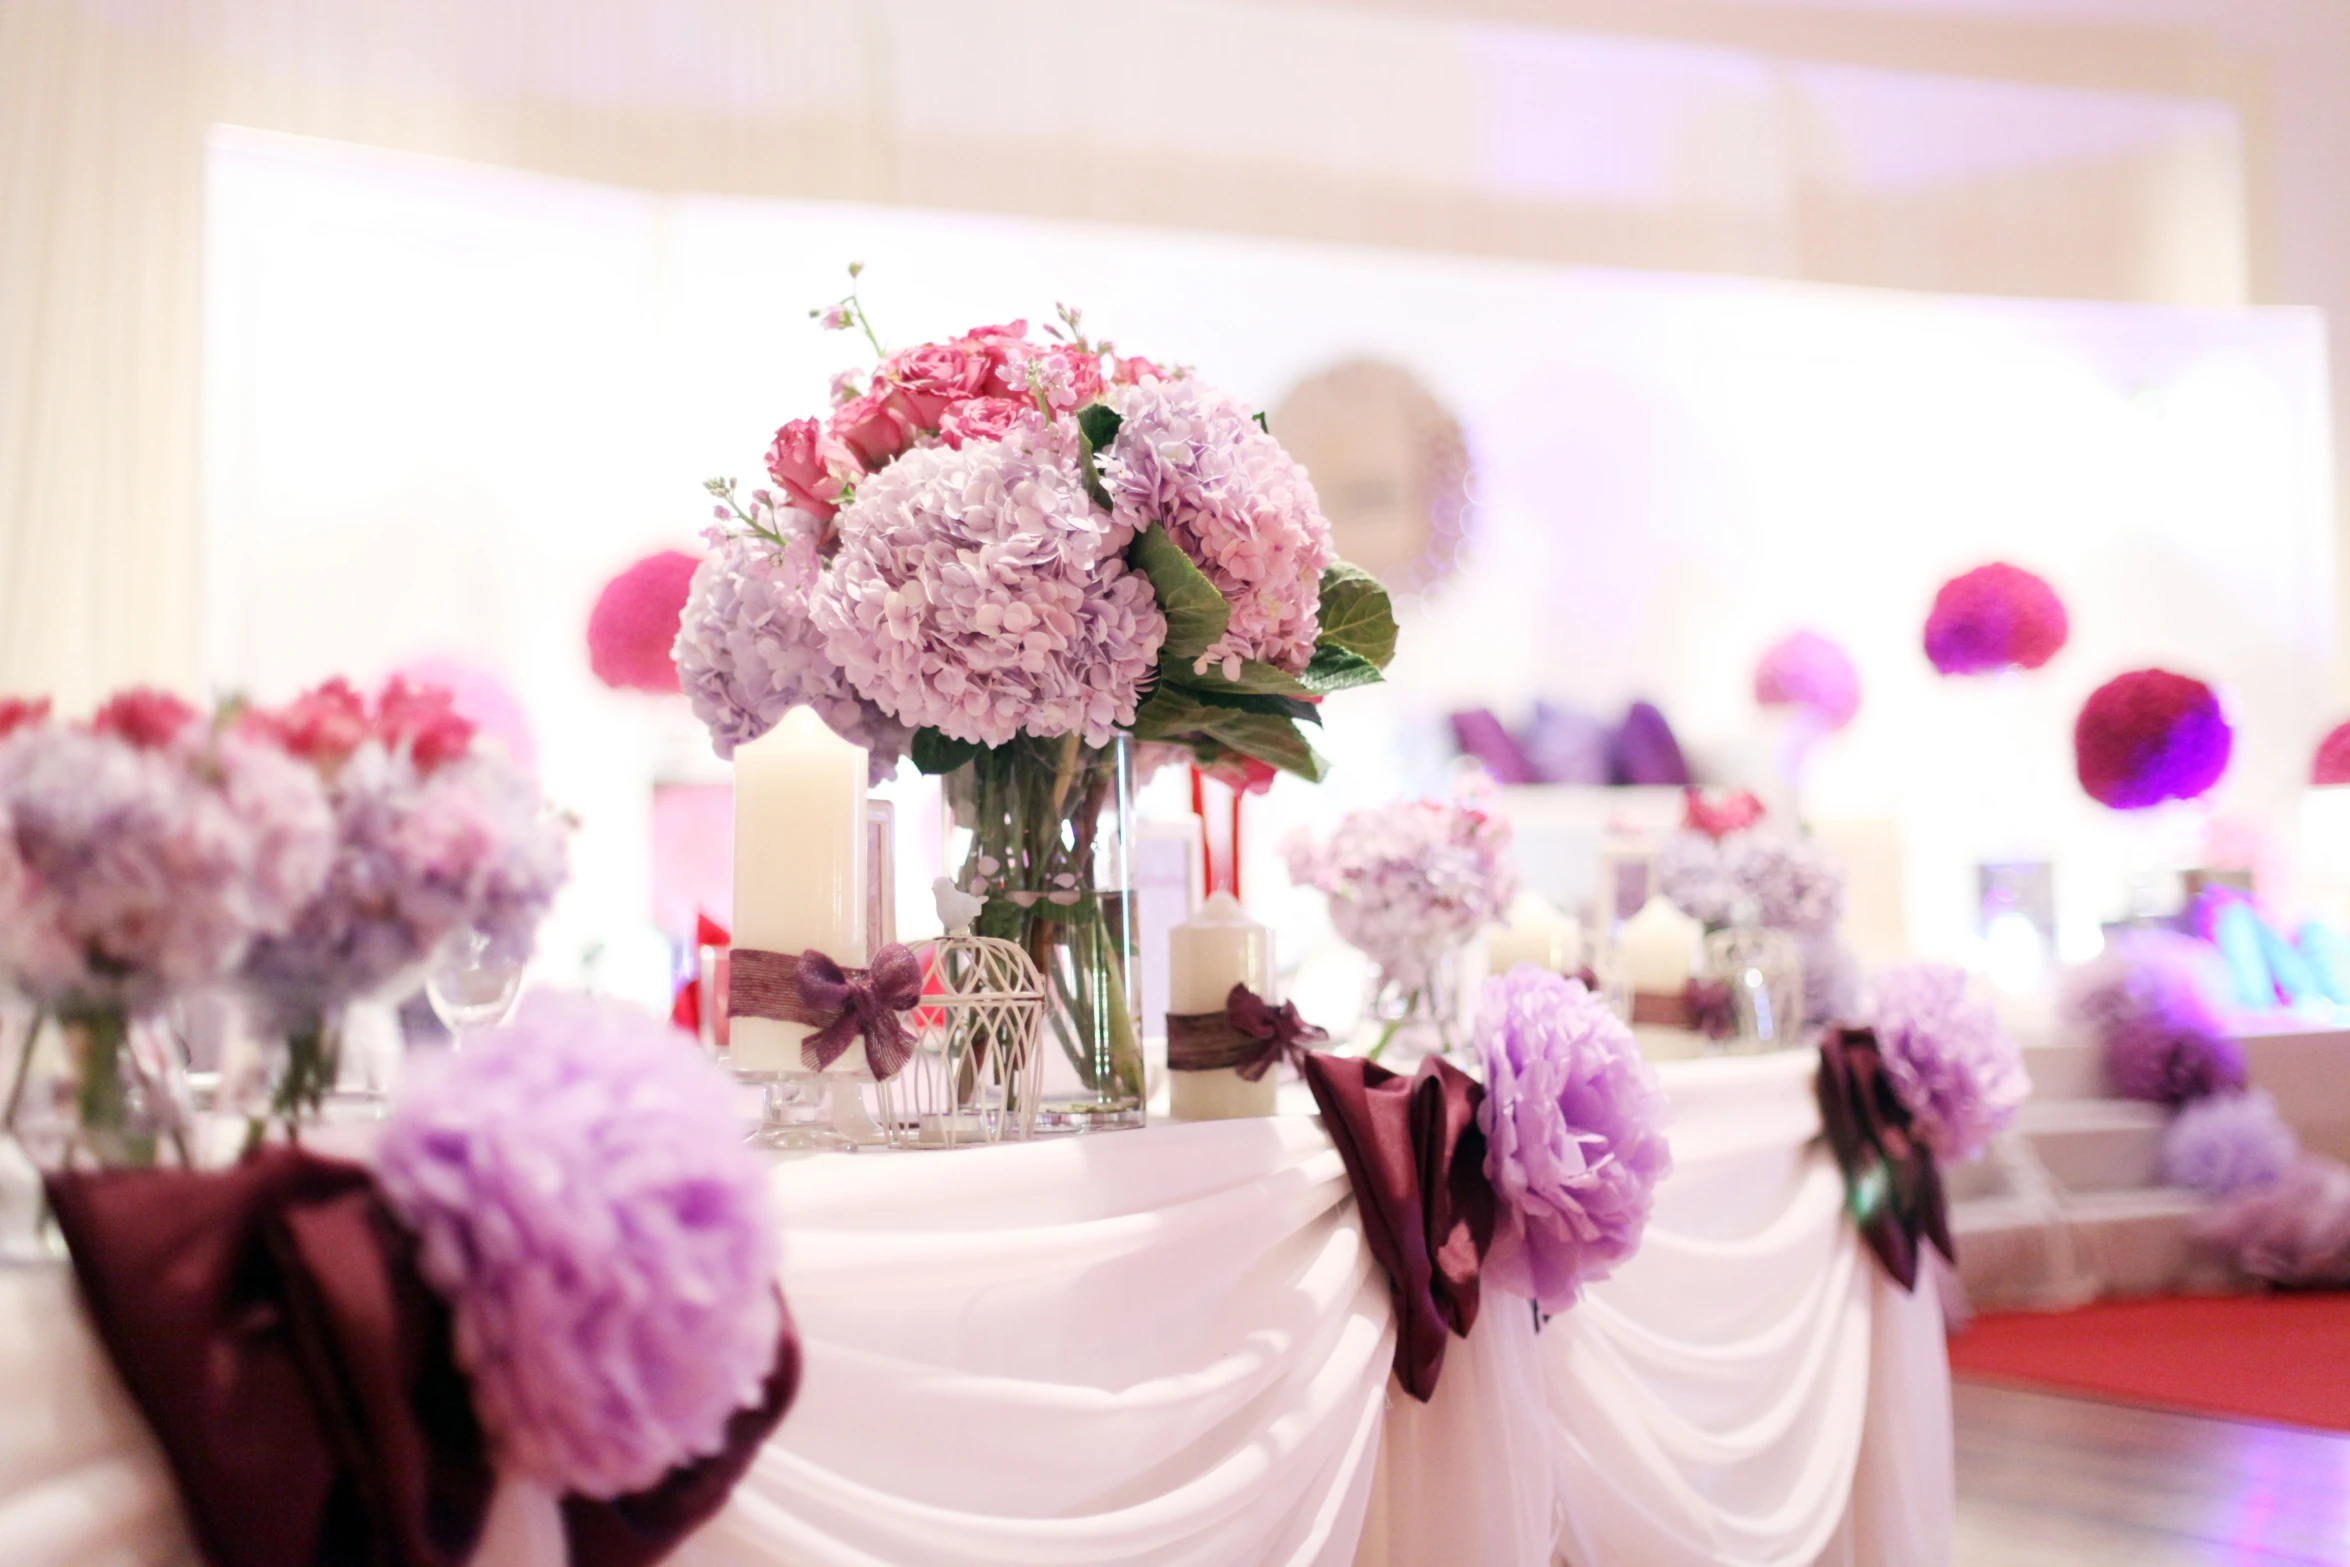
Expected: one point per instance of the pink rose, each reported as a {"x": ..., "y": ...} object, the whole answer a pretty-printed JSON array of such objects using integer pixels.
[
  {"x": 872, "y": 427},
  {"x": 147, "y": 718},
  {"x": 1007, "y": 349},
  {"x": 981, "y": 419},
  {"x": 797, "y": 463},
  {"x": 935, "y": 377},
  {"x": 322, "y": 726},
  {"x": 17, "y": 713},
  {"x": 426, "y": 718},
  {"x": 1134, "y": 369}
]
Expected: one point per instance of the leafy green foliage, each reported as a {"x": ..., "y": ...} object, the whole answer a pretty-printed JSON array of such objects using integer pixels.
[
  {"x": 1335, "y": 668},
  {"x": 1356, "y": 614},
  {"x": 1098, "y": 424},
  {"x": 1196, "y": 613},
  {"x": 935, "y": 753}
]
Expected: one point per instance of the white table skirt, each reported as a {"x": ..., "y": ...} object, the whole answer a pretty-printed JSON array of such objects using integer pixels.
[{"x": 1172, "y": 1347}]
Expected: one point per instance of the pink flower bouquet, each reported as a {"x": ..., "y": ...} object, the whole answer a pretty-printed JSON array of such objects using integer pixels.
[{"x": 1003, "y": 555}]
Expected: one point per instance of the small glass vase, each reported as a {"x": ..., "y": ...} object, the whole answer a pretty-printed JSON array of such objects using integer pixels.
[
  {"x": 97, "y": 1085},
  {"x": 1762, "y": 971},
  {"x": 1417, "y": 1010},
  {"x": 1039, "y": 829}
]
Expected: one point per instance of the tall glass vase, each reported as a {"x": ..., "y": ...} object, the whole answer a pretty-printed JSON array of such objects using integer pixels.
[
  {"x": 99, "y": 1085},
  {"x": 1039, "y": 828},
  {"x": 1416, "y": 1004}
]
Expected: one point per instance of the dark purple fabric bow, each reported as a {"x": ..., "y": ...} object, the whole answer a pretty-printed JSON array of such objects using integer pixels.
[
  {"x": 1712, "y": 1012},
  {"x": 1891, "y": 1187},
  {"x": 868, "y": 1002},
  {"x": 1275, "y": 1033}
]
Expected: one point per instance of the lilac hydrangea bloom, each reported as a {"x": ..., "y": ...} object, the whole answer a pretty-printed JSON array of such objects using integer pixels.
[
  {"x": 2228, "y": 1144},
  {"x": 747, "y": 652},
  {"x": 1194, "y": 459},
  {"x": 2147, "y": 1001},
  {"x": 978, "y": 591},
  {"x": 581, "y": 1195},
  {"x": 1759, "y": 874},
  {"x": 418, "y": 856},
  {"x": 1953, "y": 1067},
  {"x": 148, "y": 869},
  {"x": 1574, "y": 1135},
  {"x": 1412, "y": 881}
]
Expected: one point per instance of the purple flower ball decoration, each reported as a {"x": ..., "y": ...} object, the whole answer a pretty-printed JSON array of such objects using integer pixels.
[
  {"x": 747, "y": 653},
  {"x": 1952, "y": 1066},
  {"x": 2147, "y": 1001},
  {"x": 1805, "y": 670},
  {"x": 1574, "y": 1135},
  {"x": 2294, "y": 1231},
  {"x": 980, "y": 592},
  {"x": 2228, "y": 1144},
  {"x": 581, "y": 1196},
  {"x": 1992, "y": 618},
  {"x": 2150, "y": 736}
]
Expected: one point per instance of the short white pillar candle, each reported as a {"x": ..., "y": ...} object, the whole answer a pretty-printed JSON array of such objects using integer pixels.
[{"x": 1217, "y": 948}]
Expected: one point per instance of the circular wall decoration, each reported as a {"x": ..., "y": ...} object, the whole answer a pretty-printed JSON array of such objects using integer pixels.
[{"x": 1390, "y": 466}]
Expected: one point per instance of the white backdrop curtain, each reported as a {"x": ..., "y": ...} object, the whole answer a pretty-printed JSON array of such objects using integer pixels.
[{"x": 1380, "y": 127}]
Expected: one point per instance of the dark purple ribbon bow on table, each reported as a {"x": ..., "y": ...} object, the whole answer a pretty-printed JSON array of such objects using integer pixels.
[
  {"x": 1891, "y": 1186},
  {"x": 1250, "y": 1036},
  {"x": 840, "y": 1004}
]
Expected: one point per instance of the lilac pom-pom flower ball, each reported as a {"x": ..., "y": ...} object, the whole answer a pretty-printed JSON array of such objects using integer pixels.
[
  {"x": 581, "y": 1196},
  {"x": 1574, "y": 1135},
  {"x": 1955, "y": 1070},
  {"x": 1808, "y": 671}
]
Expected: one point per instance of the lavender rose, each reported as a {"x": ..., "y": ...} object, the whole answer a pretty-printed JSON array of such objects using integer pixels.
[{"x": 1573, "y": 1121}]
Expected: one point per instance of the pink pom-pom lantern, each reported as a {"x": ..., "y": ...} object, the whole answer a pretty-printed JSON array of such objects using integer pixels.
[
  {"x": 2150, "y": 736},
  {"x": 1804, "y": 669},
  {"x": 634, "y": 624},
  {"x": 2332, "y": 764},
  {"x": 1992, "y": 618}
]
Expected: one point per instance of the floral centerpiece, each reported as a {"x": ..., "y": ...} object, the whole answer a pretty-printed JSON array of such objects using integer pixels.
[
  {"x": 435, "y": 836},
  {"x": 1729, "y": 868},
  {"x": 1409, "y": 884},
  {"x": 1009, "y": 558},
  {"x": 141, "y": 856}
]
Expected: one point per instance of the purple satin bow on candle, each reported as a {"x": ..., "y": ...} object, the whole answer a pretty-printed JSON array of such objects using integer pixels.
[
  {"x": 1274, "y": 1033},
  {"x": 1712, "y": 1012},
  {"x": 868, "y": 1001}
]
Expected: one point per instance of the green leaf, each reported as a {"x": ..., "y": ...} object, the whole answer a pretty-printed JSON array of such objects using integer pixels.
[
  {"x": 935, "y": 753},
  {"x": 1098, "y": 423},
  {"x": 1260, "y": 679},
  {"x": 1268, "y": 739},
  {"x": 1296, "y": 707},
  {"x": 1170, "y": 714},
  {"x": 1259, "y": 416},
  {"x": 1356, "y": 615},
  {"x": 1196, "y": 613},
  {"x": 1335, "y": 668}
]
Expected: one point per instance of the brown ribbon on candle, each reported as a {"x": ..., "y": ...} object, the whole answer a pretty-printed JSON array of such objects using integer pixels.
[
  {"x": 838, "y": 1003},
  {"x": 1249, "y": 1036},
  {"x": 1702, "y": 1004}
]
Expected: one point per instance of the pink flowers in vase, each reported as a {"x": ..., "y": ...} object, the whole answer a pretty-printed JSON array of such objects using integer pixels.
[{"x": 998, "y": 538}]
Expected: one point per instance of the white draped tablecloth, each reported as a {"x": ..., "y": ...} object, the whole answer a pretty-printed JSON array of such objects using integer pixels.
[{"x": 1172, "y": 1347}]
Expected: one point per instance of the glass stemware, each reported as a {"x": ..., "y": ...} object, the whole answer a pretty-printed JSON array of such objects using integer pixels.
[{"x": 470, "y": 986}]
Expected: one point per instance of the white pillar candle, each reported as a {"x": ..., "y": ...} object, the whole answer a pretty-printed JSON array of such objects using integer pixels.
[
  {"x": 1537, "y": 931},
  {"x": 1217, "y": 948},
  {"x": 799, "y": 868},
  {"x": 1657, "y": 949}
]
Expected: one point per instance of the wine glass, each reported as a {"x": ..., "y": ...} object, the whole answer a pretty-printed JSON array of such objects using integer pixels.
[{"x": 470, "y": 986}]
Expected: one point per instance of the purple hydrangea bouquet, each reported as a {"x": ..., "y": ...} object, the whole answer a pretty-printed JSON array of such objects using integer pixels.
[
  {"x": 142, "y": 855},
  {"x": 1408, "y": 885},
  {"x": 435, "y": 836},
  {"x": 1009, "y": 558}
]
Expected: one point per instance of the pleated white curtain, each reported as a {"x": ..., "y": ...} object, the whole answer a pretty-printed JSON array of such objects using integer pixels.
[{"x": 1375, "y": 125}]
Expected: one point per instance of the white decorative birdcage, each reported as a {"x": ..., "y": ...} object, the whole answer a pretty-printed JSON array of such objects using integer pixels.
[{"x": 976, "y": 1071}]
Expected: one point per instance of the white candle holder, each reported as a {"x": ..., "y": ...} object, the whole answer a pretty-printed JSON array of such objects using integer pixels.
[{"x": 976, "y": 1073}]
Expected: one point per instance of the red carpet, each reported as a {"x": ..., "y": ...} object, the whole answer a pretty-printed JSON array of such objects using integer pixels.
[{"x": 2256, "y": 1357}]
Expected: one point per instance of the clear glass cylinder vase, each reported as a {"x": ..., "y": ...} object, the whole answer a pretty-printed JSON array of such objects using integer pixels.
[
  {"x": 97, "y": 1085},
  {"x": 1040, "y": 829},
  {"x": 1417, "y": 1010}
]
